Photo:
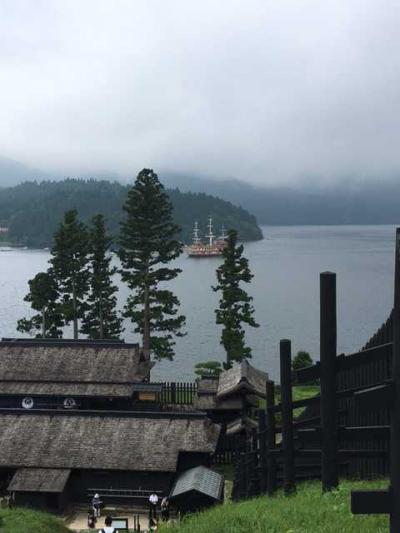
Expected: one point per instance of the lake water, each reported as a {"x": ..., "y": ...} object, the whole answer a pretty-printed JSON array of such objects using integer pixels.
[{"x": 286, "y": 265}]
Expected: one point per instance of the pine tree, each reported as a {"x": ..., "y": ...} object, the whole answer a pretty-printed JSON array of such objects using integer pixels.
[
  {"x": 70, "y": 265},
  {"x": 101, "y": 320},
  {"x": 235, "y": 306},
  {"x": 148, "y": 244},
  {"x": 43, "y": 296}
]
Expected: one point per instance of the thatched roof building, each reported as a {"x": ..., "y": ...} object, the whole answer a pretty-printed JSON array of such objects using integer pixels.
[
  {"x": 70, "y": 368},
  {"x": 104, "y": 442}
]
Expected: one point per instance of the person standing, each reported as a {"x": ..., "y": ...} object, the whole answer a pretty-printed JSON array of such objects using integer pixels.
[
  {"x": 165, "y": 509},
  {"x": 153, "y": 501},
  {"x": 91, "y": 519},
  {"x": 96, "y": 504}
]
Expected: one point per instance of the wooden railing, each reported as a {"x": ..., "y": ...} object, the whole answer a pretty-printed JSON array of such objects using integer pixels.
[{"x": 175, "y": 393}]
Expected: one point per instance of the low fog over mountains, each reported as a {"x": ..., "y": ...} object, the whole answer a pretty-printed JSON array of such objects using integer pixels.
[{"x": 372, "y": 202}]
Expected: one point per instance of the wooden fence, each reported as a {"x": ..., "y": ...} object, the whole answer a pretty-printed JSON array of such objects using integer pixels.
[
  {"x": 347, "y": 430},
  {"x": 175, "y": 393}
]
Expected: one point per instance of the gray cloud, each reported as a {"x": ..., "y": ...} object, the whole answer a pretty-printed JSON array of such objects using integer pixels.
[{"x": 268, "y": 91}]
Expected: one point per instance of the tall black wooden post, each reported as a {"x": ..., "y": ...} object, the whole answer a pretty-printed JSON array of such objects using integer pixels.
[
  {"x": 287, "y": 416},
  {"x": 271, "y": 439},
  {"x": 395, "y": 418},
  {"x": 328, "y": 339},
  {"x": 262, "y": 430}
]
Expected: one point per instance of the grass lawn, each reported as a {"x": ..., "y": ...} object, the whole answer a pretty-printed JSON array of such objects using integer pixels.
[
  {"x": 307, "y": 511},
  {"x": 27, "y": 521}
]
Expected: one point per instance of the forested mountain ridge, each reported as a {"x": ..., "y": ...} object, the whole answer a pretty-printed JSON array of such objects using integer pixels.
[{"x": 32, "y": 211}]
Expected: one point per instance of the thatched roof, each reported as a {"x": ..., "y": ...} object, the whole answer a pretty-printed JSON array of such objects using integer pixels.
[
  {"x": 39, "y": 480},
  {"x": 240, "y": 424},
  {"x": 99, "y": 442},
  {"x": 242, "y": 378},
  {"x": 199, "y": 479},
  {"x": 70, "y": 368}
]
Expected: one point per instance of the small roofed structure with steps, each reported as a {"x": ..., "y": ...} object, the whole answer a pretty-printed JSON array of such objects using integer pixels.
[
  {"x": 230, "y": 397},
  {"x": 196, "y": 489}
]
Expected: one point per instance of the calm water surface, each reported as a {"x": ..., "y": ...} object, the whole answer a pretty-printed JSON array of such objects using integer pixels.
[{"x": 286, "y": 265}]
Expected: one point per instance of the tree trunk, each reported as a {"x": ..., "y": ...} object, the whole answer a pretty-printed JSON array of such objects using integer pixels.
[
  {"x": 101, "y": 325},
  {"x": 43, "y": 322},
  {"x": 74, "y": 307},
  {"x": 146, "y": 324}
]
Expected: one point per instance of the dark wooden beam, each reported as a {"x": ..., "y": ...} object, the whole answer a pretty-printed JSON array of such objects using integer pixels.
[
  {"x": 328, "y": 351},
  {"x": 271, "y": 439},
  {"x": 287, "y": 416},
  {"x": 374, "y": 398}
]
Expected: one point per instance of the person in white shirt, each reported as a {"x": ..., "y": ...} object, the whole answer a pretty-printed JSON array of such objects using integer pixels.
[
  {"x": 153, "y": 501},
  {"x": 108, "y": 527}
]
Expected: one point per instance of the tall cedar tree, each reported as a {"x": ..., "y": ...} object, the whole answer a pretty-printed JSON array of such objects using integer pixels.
[
  {"x": 43, "y": 296},
  {"x": 70, "y": 265},
  {"x": 147, "y": 246},
  {"x": 235, "y": 306},
  {"x": 101, "y": 320}
]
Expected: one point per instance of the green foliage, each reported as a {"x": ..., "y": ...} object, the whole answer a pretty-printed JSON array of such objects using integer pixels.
[
  {"x": 21, "y": 520},
  {"x": 147, "y": 245},
  {"x": 70, "y": 266},
  {"x": 235, "y": 306},
  {"x": 32, "y": 211},
  {"x": 301, "y": 360},
  {"x": 208, "y": 369},
  {"x": 101, "y": 320},
  {"x": 43, "y": 296},
  {"x": 309, "y": 510}
]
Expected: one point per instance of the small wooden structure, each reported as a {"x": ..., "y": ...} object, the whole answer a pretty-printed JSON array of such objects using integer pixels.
[
  {"x": 43, "y": 488},
  {"x": 197, "y": 489},
  {"x": 229, "y": 398}
]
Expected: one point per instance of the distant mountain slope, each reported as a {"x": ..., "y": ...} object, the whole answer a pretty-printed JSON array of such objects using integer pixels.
[
  {"x": 32, "y": 211},
  {"x": 12, "y": 172},
  {"x": 374, "y": 202}
]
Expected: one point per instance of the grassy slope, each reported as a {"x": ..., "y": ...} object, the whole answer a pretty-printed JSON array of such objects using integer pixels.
[
  {"x": 27, "y": 521},
  {"x": 308, "y": 511}
]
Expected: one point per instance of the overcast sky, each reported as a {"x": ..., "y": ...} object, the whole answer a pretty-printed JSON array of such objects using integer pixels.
[{"x": 267, "y": 91}]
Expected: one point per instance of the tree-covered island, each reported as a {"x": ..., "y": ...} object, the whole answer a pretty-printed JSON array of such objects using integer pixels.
[{"x": 32, "y": 211}]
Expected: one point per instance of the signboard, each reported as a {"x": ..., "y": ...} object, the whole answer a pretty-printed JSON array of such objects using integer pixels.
[
  {"x": 120, "y": 524},
  {"x": 147, "y": 396}
]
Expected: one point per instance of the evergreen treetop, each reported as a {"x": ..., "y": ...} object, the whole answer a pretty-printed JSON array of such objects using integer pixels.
[
  {"x": 235, "y": 307},
  {"x": 43, "y": 297},
  {"x": 101, "y": 320},
  {"x": 70, "y": 266},
  {"x": 147, "y": 244}
]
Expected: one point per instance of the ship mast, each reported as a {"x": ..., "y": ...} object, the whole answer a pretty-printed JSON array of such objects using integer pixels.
[
  {"x": 196, "y": 238},
  {"x": 210, "y": 235},
  {"x": 223, "y": 233}
]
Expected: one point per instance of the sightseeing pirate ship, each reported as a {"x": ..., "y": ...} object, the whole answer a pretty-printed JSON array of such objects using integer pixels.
[{"x": 213, "y": 247}]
